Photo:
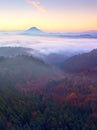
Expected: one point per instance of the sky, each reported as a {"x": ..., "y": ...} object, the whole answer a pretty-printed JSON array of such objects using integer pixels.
[{"x": 49, "y": 15}]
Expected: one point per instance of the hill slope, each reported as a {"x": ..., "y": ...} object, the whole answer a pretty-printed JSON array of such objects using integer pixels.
[
  {"x": 80, "y": 63},
  {"x": 23, "y": 71}
]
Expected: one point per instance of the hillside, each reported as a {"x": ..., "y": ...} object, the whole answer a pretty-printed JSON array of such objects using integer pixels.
[
  {"x": 14, "y": 51},
  {"x": 81, "y": 63},
  {"x": 26, "y": 71},
  {"x": 35, "y": 95}
]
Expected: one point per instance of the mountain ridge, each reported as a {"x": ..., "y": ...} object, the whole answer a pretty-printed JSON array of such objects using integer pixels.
[{"x": 81, "y": 62}]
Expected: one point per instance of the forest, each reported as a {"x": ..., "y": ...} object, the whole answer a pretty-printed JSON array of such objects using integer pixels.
[{"x": 35, "y": 95}]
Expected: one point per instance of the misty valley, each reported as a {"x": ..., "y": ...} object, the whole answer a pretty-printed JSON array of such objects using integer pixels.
[
  {"x": 48, "y": 83},
  {"x": 48, "y": 64}
]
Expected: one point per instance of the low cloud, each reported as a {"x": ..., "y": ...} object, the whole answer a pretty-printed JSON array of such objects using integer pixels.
[{"x": 36, "y": 4}]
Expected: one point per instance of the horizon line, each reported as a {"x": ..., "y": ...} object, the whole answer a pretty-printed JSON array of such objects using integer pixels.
[{"x": 50, "y": 30}]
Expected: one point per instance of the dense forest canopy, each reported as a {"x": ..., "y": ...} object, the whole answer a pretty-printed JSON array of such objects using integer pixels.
[{"x": 36, "y": 95}]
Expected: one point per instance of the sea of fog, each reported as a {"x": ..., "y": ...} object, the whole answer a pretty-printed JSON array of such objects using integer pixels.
[{"x": 48, "y": 45}]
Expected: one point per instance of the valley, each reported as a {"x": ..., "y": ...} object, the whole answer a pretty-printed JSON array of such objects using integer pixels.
[{"x": 31, "y": 88}]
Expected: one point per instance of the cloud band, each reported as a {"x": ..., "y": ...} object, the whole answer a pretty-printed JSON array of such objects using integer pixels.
[{"x": 36, "y": 4}]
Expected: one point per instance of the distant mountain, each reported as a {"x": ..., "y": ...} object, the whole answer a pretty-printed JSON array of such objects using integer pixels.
[
  {"x": 81, "y": 63},
  {"x": 79, "y": 35},
  {"x": 34, "y": 31},
  {"x": 88, "y": 34}
]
